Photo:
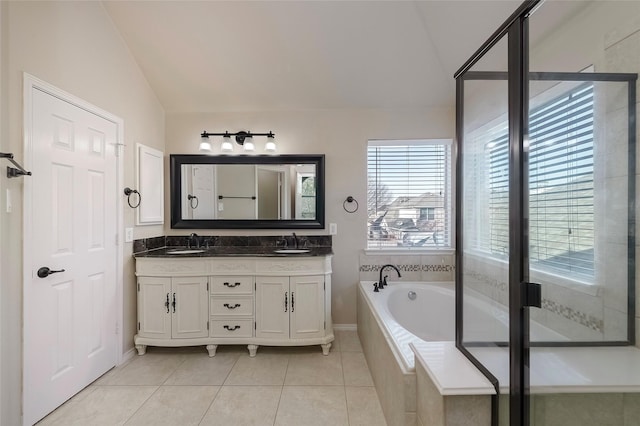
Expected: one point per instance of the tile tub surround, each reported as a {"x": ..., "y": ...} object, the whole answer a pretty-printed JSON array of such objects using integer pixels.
[
  {"x": 425, "y": 267},
  {"x": 396, "y": 387},
  {"x": 450, "y": 390},
  {"x": 183, "y": 386},
  {"x": 310, "y": 241}
]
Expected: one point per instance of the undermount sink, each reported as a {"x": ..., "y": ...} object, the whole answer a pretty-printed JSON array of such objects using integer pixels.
[
  {"x": 292, "y": 251},
  {"x": 188, "y": 251}
]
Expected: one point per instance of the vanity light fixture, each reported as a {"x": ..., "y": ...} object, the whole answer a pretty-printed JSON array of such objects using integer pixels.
[{"x": 244, "y": 139}]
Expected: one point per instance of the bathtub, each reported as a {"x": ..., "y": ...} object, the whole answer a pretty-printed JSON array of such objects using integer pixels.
[
  {"x": 387, "y": 322},
  {"x": 429, "y": 315}
]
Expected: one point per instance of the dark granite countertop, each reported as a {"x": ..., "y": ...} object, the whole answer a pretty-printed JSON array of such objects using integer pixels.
[{"x": 229, "y": 251}]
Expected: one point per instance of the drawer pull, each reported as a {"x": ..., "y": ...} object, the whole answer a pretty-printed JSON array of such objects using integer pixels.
[
  {"x": 286, "y": 301},
  {"x": 231, "y": 285},
  {"x": 235, "y": 327},
  {"x": 226, "y": 305}
]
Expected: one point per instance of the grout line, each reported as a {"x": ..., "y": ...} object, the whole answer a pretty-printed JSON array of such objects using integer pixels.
[{"x": 142, "y": 405}]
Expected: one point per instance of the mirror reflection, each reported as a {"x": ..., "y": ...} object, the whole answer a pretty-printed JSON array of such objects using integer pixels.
[
  {"x": 248, "y": 191},
  {"x": 284, "y": 191}
]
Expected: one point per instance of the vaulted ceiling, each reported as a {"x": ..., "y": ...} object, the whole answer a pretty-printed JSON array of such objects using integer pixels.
[{"x": 207, "y": 56}]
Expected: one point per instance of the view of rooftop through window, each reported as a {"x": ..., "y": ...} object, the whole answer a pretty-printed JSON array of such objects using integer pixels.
[{"x": 409, "y": 193}]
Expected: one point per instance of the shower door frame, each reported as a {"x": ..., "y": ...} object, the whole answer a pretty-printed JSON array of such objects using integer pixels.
[{"x": 518, "y": 77}]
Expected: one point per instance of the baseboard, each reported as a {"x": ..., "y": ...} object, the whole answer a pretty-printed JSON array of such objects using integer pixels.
[
  {"x": 345, "y": 327},
  {"x": 128, "y": 355}
]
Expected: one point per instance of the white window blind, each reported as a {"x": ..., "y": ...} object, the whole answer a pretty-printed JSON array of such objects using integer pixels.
[
  {"x": 561, "y": 204},
  {"x": 409, "y": 194}
]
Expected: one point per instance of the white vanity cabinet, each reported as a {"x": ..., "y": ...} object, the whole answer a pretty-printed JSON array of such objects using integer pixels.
[
  {"x": 269, "y": 301},
  {"x": 290, "y": 307}
]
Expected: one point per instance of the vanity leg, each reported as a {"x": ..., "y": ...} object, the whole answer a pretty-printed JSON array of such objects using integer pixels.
[
  {"x": 252, "y": 350},
  {"x": 325, "y": 348},
  {"x": 212, "y": 350},
  {"x": 142, "y": 349}
]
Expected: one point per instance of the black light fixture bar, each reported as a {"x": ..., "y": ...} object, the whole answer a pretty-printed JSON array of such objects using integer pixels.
[{"x": 240, "y": 136}]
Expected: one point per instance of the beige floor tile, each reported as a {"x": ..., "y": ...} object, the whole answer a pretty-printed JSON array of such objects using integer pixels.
[
  {"x": 52, "y": 417},
  {"x": 264, "y": 369},
  {"x": 175, "y": 405},
  {"x": 312, "y": 405},
  {"x": 349, "y": 341},
  {"x": 106, "y": 405},
  {"x": 151, "y": 369},
  {"x": 364, "y": 407},
  {"x": 314, "y": 369},
  {"x": 244, "y": 406},
  {"x": 203, "y": 370},
  {"x": 356, "y": 372}
]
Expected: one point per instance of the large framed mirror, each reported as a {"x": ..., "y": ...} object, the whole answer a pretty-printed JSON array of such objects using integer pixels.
[{"x": 248, "y": 192}]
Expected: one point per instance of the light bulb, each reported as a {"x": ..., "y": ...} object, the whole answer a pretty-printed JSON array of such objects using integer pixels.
[
  {"x": 248, "y": 145},
  {"x": 226, "y": 146},
  {"x": 270, "y": 146},
  {"x": 205, "y": 145}
]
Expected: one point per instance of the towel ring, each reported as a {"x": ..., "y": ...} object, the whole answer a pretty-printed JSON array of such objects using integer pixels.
[
  {"x": 350, "y": 199},
  {"x": 128, "y": 191},
  {"x": 191, "y": 198}
]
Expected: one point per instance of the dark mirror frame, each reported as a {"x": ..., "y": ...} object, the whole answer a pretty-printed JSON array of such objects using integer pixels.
[{"x": 177, "y": 160}]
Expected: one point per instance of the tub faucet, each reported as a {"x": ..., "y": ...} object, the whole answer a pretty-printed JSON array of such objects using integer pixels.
[{"x": 382, "y": 282}]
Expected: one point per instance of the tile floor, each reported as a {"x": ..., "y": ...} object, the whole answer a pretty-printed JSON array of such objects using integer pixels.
[{"x": 280, "y": 386}]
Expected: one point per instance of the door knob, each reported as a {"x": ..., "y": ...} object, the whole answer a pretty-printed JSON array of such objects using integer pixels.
[{"x": 44, "y": 272}]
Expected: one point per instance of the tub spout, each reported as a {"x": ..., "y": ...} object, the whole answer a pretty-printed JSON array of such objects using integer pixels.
[{"x": 383, "y": 281}]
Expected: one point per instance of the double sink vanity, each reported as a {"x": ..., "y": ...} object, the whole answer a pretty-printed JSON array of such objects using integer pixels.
[{"x": 254, "y": 295}]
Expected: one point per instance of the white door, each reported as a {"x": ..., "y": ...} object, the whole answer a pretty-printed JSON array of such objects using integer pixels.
[
  {"x": 190, "y": 307},
  {"x": 307, "y": 307},
  {"x": 69, "y": 316},
  {"x": 272, "y": 307}
]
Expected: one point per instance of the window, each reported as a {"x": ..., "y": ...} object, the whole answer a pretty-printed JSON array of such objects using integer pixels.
[
  {"x": 561, "y": 187},
  {"x": 409, "y": 194}
]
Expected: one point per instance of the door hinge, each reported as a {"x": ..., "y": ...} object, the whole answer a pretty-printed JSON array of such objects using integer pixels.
[
  {"x": 207, "y": 325},
  {"x": 138, "y": 325},
  {"x": 207, "y": 286},
  {"x": 531, "y": 295},
  {"x": 117, "y": 329},
  {"x": 117, "y": 242},
  {"x": 138, "y": 286},
  {"x": 255, "y": 325}
]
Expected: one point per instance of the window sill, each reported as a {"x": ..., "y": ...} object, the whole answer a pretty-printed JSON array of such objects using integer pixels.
[
  {"x": 541, "y": 277},
  {"x": 406, "y": 251}
]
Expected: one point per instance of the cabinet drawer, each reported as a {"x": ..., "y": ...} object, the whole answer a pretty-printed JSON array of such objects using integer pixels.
[
  {"x": 232, "y": 328},
  {"x": 232, "y": 306},
  {"x": 232, "y": 285}
]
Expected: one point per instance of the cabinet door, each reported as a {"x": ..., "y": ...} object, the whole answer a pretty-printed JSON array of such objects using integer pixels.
[
  {"x": 272, "y": 307},
  {"x": 307, "y": 307},
  {"x": 191, "y": 310},
  {"x": 154, "y": 317}
]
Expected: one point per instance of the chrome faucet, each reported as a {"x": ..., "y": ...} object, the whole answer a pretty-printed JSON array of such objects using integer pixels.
[
  {"x": 295, "y": 240},
  {"x": 193, "y": 237},
  {"x": 382, "y": 282}
]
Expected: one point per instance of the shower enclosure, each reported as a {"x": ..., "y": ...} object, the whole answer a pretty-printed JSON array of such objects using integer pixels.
[{"x": 546, "y": 184}]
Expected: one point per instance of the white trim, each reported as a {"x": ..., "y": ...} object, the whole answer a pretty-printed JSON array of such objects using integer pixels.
[
  {"x": 345, "y": 327},
  {"x": 409, "y": 142},
  {"x": 406, "y": 251},
  {"x": 29, "y": 84}
]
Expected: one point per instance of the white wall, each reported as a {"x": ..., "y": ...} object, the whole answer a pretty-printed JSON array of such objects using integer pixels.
[
  {"x": 74, "y": 46},
  {"x": 342, "y": 136}
]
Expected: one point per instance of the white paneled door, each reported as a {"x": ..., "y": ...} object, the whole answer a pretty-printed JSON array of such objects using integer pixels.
[{"x": 70, "y": 298}]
